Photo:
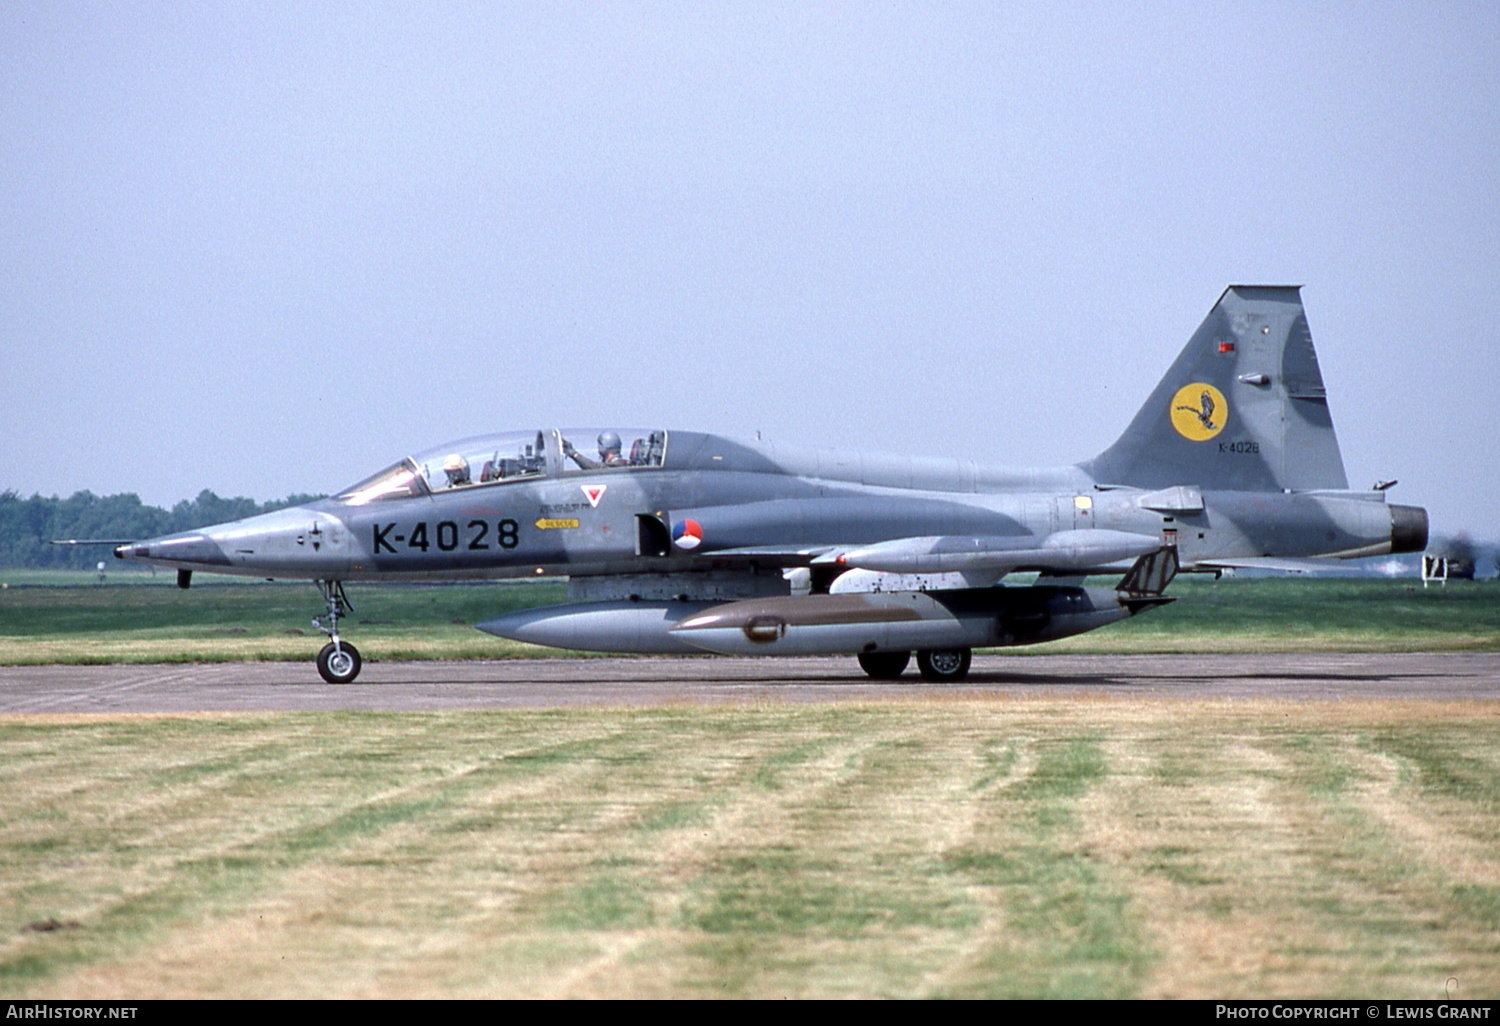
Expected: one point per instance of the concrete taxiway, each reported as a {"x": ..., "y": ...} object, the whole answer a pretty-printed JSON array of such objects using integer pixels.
[{"x": 554, "y": 683}]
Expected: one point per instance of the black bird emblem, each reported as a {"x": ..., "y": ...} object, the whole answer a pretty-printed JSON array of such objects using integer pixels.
[{"x": 1205, "y": 411}]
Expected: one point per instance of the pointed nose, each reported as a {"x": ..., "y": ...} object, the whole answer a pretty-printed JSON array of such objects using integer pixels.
[
  {"x": 296, "y": 542},
  {"x": 190, "y": 547}
]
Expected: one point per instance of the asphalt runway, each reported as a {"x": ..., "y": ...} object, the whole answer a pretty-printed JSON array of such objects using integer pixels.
[{"x": 555, "y": 683}]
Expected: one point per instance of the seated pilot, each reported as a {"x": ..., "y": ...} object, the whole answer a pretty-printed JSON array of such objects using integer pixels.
[
  {"x": 457, "y": 469},
  {"x": 609, "y": 453}
]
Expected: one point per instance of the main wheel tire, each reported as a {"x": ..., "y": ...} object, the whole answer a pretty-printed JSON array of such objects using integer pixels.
[
  {"x": 884, "y": 665},
  {"x": 341, "y": 665},
  {"x": 944, "y": 665}
]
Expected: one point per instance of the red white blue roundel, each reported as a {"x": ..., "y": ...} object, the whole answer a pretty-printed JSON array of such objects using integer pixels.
[{"x": 687, "y": 534}]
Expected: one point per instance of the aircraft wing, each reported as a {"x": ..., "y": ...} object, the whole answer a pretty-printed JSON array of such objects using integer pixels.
[
  {"x": 780, "y": 555},
  {"x": 1288, "y": 565},
  {"x": 1070, "y": 551},
  {"x": 941, "y": 562}
]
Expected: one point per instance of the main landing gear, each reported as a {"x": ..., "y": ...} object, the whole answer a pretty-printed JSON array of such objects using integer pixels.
[
  {"x": 884, "y": 665},
  {"x": 339, "y": 661},
  {"x": 944, "y": 665},
  {"x": 939, "y": 665}
]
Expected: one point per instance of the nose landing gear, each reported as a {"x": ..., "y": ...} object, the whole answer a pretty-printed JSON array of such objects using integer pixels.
[{"x": 339, "y": 662}]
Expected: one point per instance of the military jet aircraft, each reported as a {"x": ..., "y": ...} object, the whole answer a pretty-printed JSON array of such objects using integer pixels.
[{"x": 677, "y": 542}]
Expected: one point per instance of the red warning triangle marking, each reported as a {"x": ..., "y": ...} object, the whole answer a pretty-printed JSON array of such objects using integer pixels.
[{"x": 593, "y": 493}]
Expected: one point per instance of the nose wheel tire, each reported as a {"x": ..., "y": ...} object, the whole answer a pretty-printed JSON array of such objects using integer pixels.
[
  {"x": 884, "y": 665},
  {"x": 339, "y": 665},
  {"x": 944, "y": 665}
]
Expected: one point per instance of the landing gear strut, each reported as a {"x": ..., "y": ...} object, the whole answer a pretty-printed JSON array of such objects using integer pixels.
[{"x": 339, "y": 662}]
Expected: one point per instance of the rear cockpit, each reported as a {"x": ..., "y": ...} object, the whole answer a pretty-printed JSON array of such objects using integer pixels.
[
  {"x": 623, "y": 449},
  {"x": 515, "y": 456}
]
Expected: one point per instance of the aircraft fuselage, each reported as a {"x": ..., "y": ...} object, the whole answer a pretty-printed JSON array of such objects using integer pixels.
[
  {"x": 743, "y": 496},
  {"x": 679, "y": 541}
]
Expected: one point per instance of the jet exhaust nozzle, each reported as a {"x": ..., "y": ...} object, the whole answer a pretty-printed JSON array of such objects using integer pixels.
[{"x": 1408, "y": 529}]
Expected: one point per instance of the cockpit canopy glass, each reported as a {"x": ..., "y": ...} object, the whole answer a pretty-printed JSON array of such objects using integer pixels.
[
  {"x": 516, "y": 456},
  {"x": 612, "y": 448},
  {"x": 403, "y": 481},
  {"x": 485, "y": 459}
]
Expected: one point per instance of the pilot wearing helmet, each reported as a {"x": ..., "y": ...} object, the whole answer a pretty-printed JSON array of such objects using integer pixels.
[
  {"x": 609, "y": 453},
  {"x": 457, "y": 469}
]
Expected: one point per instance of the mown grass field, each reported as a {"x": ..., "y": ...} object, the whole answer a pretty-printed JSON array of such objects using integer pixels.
[
  {"x": 958, "y": 848},
  {"x": 156, "y": 622},
  {"x": 139, "y": 619}
]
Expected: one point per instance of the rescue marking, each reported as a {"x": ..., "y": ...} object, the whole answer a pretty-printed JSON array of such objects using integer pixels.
[
  {"x": 556, "y": 523},
  {"x": 1199, "y": 411}
]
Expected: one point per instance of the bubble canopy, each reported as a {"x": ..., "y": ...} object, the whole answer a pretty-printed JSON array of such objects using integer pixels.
[{"x": 485, "y": 460}]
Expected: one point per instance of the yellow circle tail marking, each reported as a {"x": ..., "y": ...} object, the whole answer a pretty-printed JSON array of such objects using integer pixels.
[{"x": 1199, "y": 411}]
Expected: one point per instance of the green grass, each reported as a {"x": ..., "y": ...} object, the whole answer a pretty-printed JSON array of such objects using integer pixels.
[
  {"x": 228, "y": 620},
  {"x": 137, "y": 618},
  {"x": 1296, "y": 614},
  {"x": 945, "y": 849}
]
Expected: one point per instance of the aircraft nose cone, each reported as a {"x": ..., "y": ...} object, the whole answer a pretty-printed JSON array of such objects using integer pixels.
[{"x": 192, "y": 547}]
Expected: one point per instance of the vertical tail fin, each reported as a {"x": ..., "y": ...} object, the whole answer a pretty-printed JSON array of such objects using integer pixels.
[{"x": 1243, "y": 408}]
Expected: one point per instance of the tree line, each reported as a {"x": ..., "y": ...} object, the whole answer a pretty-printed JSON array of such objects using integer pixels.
[{"x": 28, "y": 526}]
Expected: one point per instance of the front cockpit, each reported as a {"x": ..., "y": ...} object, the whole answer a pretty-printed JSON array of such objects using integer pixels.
[{"x": 515, "y": 456}]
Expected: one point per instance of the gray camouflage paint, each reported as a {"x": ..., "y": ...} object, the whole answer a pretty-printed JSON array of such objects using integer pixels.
[{"x": 1266, "y": 481}]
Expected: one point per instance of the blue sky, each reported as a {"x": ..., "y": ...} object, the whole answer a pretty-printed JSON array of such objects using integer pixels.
[{"x": 269, "y": 248}]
